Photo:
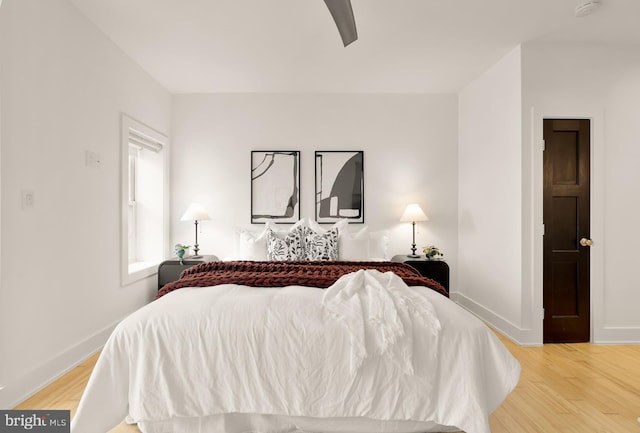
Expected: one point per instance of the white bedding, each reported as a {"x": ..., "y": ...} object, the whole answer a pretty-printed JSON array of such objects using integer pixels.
[{"x": 398, "y": 358}]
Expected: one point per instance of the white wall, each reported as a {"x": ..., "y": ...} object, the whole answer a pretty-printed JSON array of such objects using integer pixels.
[
  {"x": 500, "y": 183},
  {"x": 410, "y": 154},
  {"x": 3, "y": 344},
  {"x": 489, "y": 201},
  {"x": 601, "y": 83},
  {"x": 63, "y": 87}
]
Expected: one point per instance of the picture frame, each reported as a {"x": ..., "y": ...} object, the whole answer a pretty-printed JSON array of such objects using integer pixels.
[
  {"x": 275, "y": 186},
  {"x": 339, "y": 186}
]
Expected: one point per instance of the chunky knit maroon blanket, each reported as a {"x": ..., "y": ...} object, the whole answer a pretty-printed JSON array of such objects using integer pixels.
[{"x": 280, "y": 274}]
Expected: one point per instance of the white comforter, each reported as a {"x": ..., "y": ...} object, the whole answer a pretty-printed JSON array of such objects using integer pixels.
[{"x": 369, "y": 346}]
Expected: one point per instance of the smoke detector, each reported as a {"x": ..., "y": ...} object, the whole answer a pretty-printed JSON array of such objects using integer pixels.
[{"x": 586, "y": 8}]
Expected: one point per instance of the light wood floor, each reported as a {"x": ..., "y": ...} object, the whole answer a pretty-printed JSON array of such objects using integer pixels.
[{"x": 572, "y": 388}]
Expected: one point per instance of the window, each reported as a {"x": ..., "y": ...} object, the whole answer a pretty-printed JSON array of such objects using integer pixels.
[{"x": 144, "y": 200}]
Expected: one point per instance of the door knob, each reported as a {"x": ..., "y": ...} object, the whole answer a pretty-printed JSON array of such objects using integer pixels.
[{"x": 586, "y": 242}]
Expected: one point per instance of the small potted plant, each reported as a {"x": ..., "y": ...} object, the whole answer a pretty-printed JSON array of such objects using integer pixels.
[
  {"x": 432, "y": 252},
  {"x": 180, "y": 250}
]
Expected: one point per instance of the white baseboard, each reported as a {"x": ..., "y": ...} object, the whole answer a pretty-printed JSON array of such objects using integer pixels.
[
  {"x": 616, "y": 335},
  {"x": 526, "y": 337},
  {"x": 522, "y": 337},
  {"x": 21, "y": 388}
]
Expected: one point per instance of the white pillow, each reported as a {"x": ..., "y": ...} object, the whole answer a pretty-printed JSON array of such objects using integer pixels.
[
  {"x": 354, "y": 246},
  {"x": 252, "y": 245},
  {"x": 283, "y": 231},
  {"x": 316, "y": 227},
  {"x": 379, "y": 245}
]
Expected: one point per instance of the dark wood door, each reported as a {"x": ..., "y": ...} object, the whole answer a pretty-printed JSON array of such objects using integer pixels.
[{"x": 566, "y": 212}]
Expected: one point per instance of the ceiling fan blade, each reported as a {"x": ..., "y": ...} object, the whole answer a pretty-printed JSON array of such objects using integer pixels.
[{"x": 343, "y": 16}]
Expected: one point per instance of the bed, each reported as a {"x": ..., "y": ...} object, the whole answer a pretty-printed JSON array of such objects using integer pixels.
[{"x": 334, "y": 347}]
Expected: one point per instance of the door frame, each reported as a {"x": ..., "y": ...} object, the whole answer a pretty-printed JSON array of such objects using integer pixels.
[{"x": 597, "y": 121}]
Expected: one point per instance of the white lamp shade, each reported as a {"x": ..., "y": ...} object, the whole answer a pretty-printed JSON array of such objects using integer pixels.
[
  {"x": 413, "y": 213},
  {"x": 195, "y": 212}
]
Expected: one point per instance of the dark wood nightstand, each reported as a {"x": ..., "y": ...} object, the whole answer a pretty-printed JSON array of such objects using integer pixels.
[
  {"x": 437, "y": 270},
  {"x": 170, "y": 270}
]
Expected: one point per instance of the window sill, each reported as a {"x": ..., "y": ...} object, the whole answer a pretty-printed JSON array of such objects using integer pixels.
[{"x": 139, "y": 270}]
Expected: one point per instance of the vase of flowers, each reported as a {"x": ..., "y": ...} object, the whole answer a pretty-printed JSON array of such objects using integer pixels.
[
  {"x": 180, "y": 251},
  {"x": 432, "y": 252}
]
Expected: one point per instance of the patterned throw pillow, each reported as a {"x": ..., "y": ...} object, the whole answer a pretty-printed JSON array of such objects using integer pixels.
[
  {"x": 320, "y": 246},
  {"x": 288, "y": 248}
]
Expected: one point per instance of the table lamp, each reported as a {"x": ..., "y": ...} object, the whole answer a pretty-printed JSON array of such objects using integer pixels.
[
  {"x": 195, "y": 212},
  {"x": 412, "y": 214}
]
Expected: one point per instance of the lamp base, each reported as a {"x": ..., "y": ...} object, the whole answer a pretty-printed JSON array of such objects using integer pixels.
[{"x": 413, "y": 256}]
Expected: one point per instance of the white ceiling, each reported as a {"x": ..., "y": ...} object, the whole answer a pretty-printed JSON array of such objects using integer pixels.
[{"x": 205, "y": 46}]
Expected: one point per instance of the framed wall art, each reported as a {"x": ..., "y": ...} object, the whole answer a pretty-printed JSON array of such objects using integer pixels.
[
  {"x": 275, "y": 186},
  {"x": 339, "y": 186}
]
